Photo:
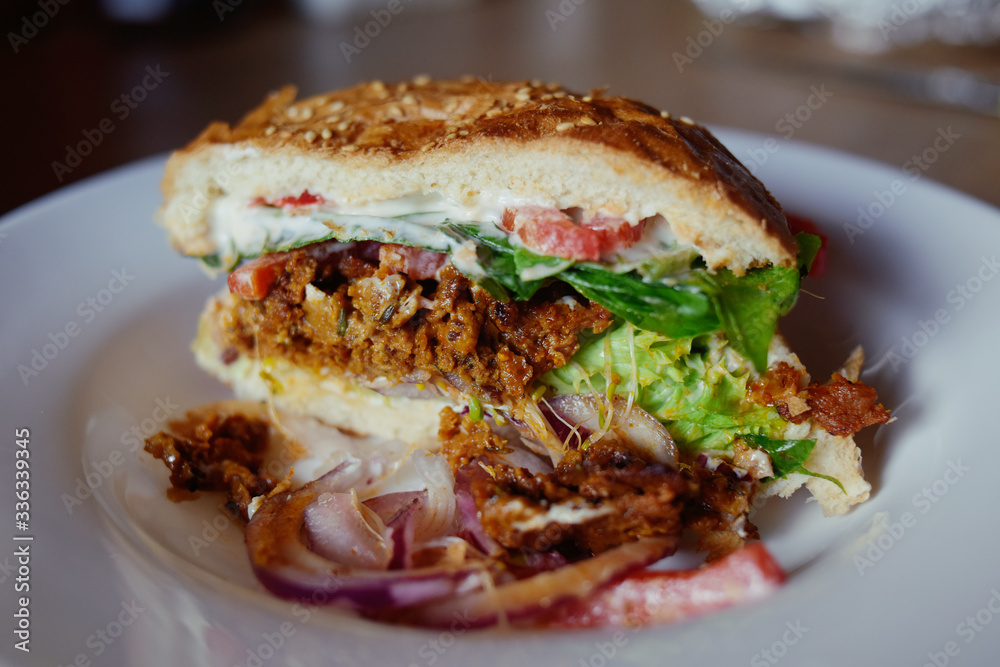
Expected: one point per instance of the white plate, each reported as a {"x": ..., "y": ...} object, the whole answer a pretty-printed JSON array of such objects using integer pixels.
[{"x": 115, "y": 579}]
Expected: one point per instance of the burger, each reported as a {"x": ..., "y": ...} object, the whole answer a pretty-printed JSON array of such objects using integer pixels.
[{"x": 515, "y": 345}]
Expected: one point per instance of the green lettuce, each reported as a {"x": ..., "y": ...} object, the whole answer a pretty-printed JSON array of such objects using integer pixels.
[
  {"x": 692, "y": 303},
  {"x": 685, "y": 383},
  {"x": 692, "y": 385},
  {"x": 788, "y": 456}
]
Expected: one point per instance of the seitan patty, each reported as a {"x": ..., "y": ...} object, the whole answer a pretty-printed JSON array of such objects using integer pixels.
[{"x": 353, "y": 307}]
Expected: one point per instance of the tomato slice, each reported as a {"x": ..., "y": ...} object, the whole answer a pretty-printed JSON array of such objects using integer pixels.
[
  {"x": 304, "y": 199},
  {"x": 254, "y": 279},
  {"x": 654, "y": 597},
  {"x": 551, "y": 232},
  {"x": 796, "y": 224}
]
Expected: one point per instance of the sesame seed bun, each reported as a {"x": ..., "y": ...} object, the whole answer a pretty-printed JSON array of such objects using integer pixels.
[{"x": 471, "y": 139}]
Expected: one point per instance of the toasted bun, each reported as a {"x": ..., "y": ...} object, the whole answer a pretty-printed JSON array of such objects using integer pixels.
[{"x": 472, "y": 139}]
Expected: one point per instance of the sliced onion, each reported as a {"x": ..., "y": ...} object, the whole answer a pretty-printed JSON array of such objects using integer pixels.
[
  {"x": 439, "y": 517},
  {"x": 287, "y": 567},
  {"x": 400, "y": 512},
  {"x": 639, "y": 429},
  {"x": 341, "y": 529},
  {"x": 526, "y": 597},
  {"x": 471, "y": 523}
]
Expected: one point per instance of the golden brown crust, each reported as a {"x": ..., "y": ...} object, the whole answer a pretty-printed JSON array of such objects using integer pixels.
[{"x": 418, "y": 124}]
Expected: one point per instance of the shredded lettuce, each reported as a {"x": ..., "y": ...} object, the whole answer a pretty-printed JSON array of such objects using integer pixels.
[
  {"x": 694, "y": 386},
  {"x": 685, "y": 383}
]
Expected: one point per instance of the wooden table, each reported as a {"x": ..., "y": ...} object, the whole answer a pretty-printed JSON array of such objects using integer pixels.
[{"x": 80, "y": 85}]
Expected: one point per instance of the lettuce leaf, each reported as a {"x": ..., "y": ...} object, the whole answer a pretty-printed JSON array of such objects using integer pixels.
[
  {"x": 688, "y": 385},
  {"x": 696, "y": 302},
  {"x": 684, "y": 383},
  {"x": 788, "y": 456}
]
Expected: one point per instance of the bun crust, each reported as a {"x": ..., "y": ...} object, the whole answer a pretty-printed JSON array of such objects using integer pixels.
[{"x": 471, "y": 139}]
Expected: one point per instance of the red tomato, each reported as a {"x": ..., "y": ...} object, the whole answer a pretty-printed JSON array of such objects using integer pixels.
[
  {"x": 304, "y": 199},
  {"x": 652, "y": 597},
  {"x": 549, "y": 231},
  {"x": 798, "y": 224},
  {"x": 254, "y": 279},
  {"x": 417, "y": 263},
  {"x": 615, "y": 233}
]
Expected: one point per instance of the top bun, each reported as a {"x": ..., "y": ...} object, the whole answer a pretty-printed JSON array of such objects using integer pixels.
[{"x": 472, "y": 140}]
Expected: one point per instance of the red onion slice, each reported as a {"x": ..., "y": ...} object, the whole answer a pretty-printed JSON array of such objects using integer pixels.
[
  {"x": 400, "y": 511},
  {"x": 525, "y": 598},
  {"x": 341, "y": 529},
  {"x": 638, "y": 429},
  {"x": 287, "y": 567},
  {"x": 471, "y": 524}
]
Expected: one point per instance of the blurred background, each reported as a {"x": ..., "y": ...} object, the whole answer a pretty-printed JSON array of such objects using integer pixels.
[{"x": 93, "y": 84}]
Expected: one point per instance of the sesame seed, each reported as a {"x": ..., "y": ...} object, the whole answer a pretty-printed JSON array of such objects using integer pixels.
[
  {"x": 587, "y": 120},
  {"x": 562, "y": 127},
  {"x": 559, "y": 94},
  {"x": 494, "y": 112},
  {"x": 536, "y": 83},
  {"x": 587, "y": 98},
  {"x": 522, "y": 97},
  {"x": 463, "y": 133},
  {"x": 271, "y": 129},
  {"x": 377, "y": 86},
  {"x": 349, "y": 148},
  {"x": 326, "y": 133},
  {"x": 421, "y": 80},
  {"x": 292, "y": 112},
  {"x": 306, "y": 113},
  {"x": 409, "y": 99},
  {"x": 343, "y": 126},
  {"x": 686, "y": 120},
  {"x": 665, "y": 114},
  {"x": 337, "y": 106},
  {"x": 310, "y": 136}
]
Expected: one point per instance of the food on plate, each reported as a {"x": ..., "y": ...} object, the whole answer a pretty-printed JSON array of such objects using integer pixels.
[{"x": 500, "y": 348}]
